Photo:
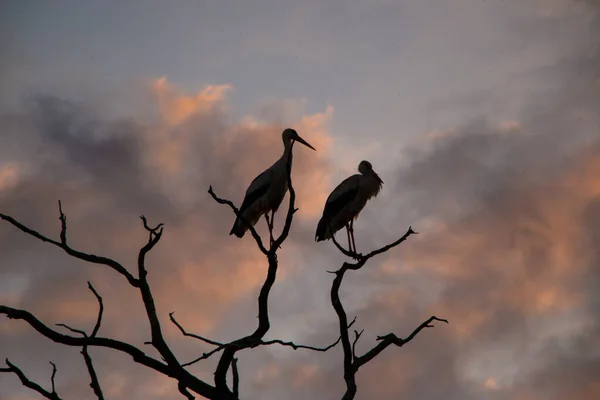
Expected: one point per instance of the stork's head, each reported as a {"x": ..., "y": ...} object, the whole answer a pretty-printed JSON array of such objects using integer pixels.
[
  {"x": 366, "y": 169},
  {"x": 289, "y": 135}
]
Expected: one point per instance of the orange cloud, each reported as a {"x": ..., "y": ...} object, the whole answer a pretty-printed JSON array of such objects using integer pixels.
[
  {"x": 9, "y": 175},
  {"x": 175, "y": 107},
  {"x": 532, "y": 246},
  {"x": 304, "y": 374}
]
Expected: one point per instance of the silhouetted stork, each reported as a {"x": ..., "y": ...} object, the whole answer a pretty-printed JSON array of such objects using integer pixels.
[
  {"x": 267, "y": 190},
  {"x": 347, "y": 201}
]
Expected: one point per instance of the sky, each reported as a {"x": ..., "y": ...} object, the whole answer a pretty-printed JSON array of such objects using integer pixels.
[{"x": 481, "y": 117}]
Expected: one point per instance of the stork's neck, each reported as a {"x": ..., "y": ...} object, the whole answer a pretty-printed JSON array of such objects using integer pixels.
[{"x": 287, "y": 148}]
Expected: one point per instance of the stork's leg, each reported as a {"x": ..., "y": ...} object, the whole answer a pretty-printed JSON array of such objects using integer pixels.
[
  {"x": 349, "y": 241},
  {"x": 269, "y": 226},
  {"x": 352, "y": 236},
  {"x": 272, "y": 224}
]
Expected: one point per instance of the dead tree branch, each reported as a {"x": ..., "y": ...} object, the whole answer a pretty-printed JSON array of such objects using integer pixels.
[
  {"x": 255, "y": 338},
  {"x": 238, "y": 214},
  {"x": 351, "y": 361},
  {"x": 91, "y": 258},
  {"x": 236, "y": 377},
  {"x": 185, "y": 333},
  {"x": 94, "y": 384},
  {"x": 32, "y": 385},
  {"x": 170, "y": 367},
  {"x": 389, "y": 339}
]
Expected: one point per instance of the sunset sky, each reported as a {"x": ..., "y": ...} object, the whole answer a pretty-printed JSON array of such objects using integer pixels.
[{"x": 481, "y": 117}]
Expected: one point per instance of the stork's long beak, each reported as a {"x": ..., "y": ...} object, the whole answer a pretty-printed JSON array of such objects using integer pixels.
[
  {"x": 304, "y": 142},
  {"x": 377, "y": 177}
]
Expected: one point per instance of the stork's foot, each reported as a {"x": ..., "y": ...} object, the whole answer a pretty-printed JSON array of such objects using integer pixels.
[{"x": 356, "y": 256}]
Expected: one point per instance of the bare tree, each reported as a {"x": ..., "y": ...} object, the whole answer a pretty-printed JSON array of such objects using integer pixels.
[{"x": 169, "y": 365}]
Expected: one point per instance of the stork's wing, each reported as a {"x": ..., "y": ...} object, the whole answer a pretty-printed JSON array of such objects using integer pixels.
[
  {"x": 343, "y": 194},
  {"x": 258, "y": 188}
]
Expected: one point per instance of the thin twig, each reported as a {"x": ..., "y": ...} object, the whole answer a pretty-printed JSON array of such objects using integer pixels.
[
  {"x": 158, "y": 340},
  {"x": 345, "y": 252},
  {"x": 204, "y": 356},
  {"x": 100, "y": 309},
  {"x": 356, "y": 337},
  {"x": 91, "y": 258},
  {"x": 152, "y": 231},
  {"x": 32, "y": 385},
  {"x": 53, "y": 376},
  {"x": 390, "y": 338},
  {"x": 239, "y": 215},
  {"x": 79, "y": 331},
  {"x": 185, "y": 333},
  {"x": 301, "y": 346},
  {"x": 94, "y": 384}
]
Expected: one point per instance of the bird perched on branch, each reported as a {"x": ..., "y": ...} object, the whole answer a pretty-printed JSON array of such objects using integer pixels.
[
  {"x": 347, "y": 201},
  {"x": 267, "y": 190}
]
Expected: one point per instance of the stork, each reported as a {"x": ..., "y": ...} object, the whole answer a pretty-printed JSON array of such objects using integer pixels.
[
  {"x": 347, "y": 201},
  {"x": 267, "y": 190}
]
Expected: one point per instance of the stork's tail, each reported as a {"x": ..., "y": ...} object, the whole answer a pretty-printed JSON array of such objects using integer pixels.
[
  {"x": 238, "y": 228},
  {"x": 322, "y": 233}
]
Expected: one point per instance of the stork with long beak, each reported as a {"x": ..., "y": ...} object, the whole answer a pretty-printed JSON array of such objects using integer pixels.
[{"x": 267, "y": 190}]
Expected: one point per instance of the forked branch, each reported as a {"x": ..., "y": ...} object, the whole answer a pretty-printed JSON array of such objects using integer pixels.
[
  {"x": 52, "y": 395},
  {"x": 91, "y": 258},
  {"x": 238, "y": 214},
  {"x": 352, "y": 362},
  {"x": 256, "y": 337},
  {"x": 94, "y": 384},
  {"x": 170, "y": 367}
]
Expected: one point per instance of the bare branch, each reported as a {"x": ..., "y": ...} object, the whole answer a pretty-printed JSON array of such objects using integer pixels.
[
  {"x": 94, "y": 384},
  {"x": 152, "y": 231},
  {"x": 345, "y": 252},
  {"x": 383, "y": 249},
  {"x": 349, "y": 373},
  {"x": 239, "y": 215},
  {"x": 263, "y": 310},
  {"x": 91, "y": 258},
  {"x": 185, "y": 333},
  {"x": 236, "y": 377},
  {"x": 390, "y": 338},
  {"x": 32, "y": 385},
  {"x": 351, "y": 361},
  {"x": 158, "y": 340},
  {"x": 301, "y": 346},
  {"x": 138, "y": 355},
  {"x": 82, "y": 333},
  {"x": 356, "y": 337},
  {"x": 220, "y": 347},
  {"x": 183, "y": 390},
  {"x": 53, "y": 376},
  {"x": 63, "y": 224},
  {"x": 100, "y": 310},
  {"x": 204, "y": 356}
]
